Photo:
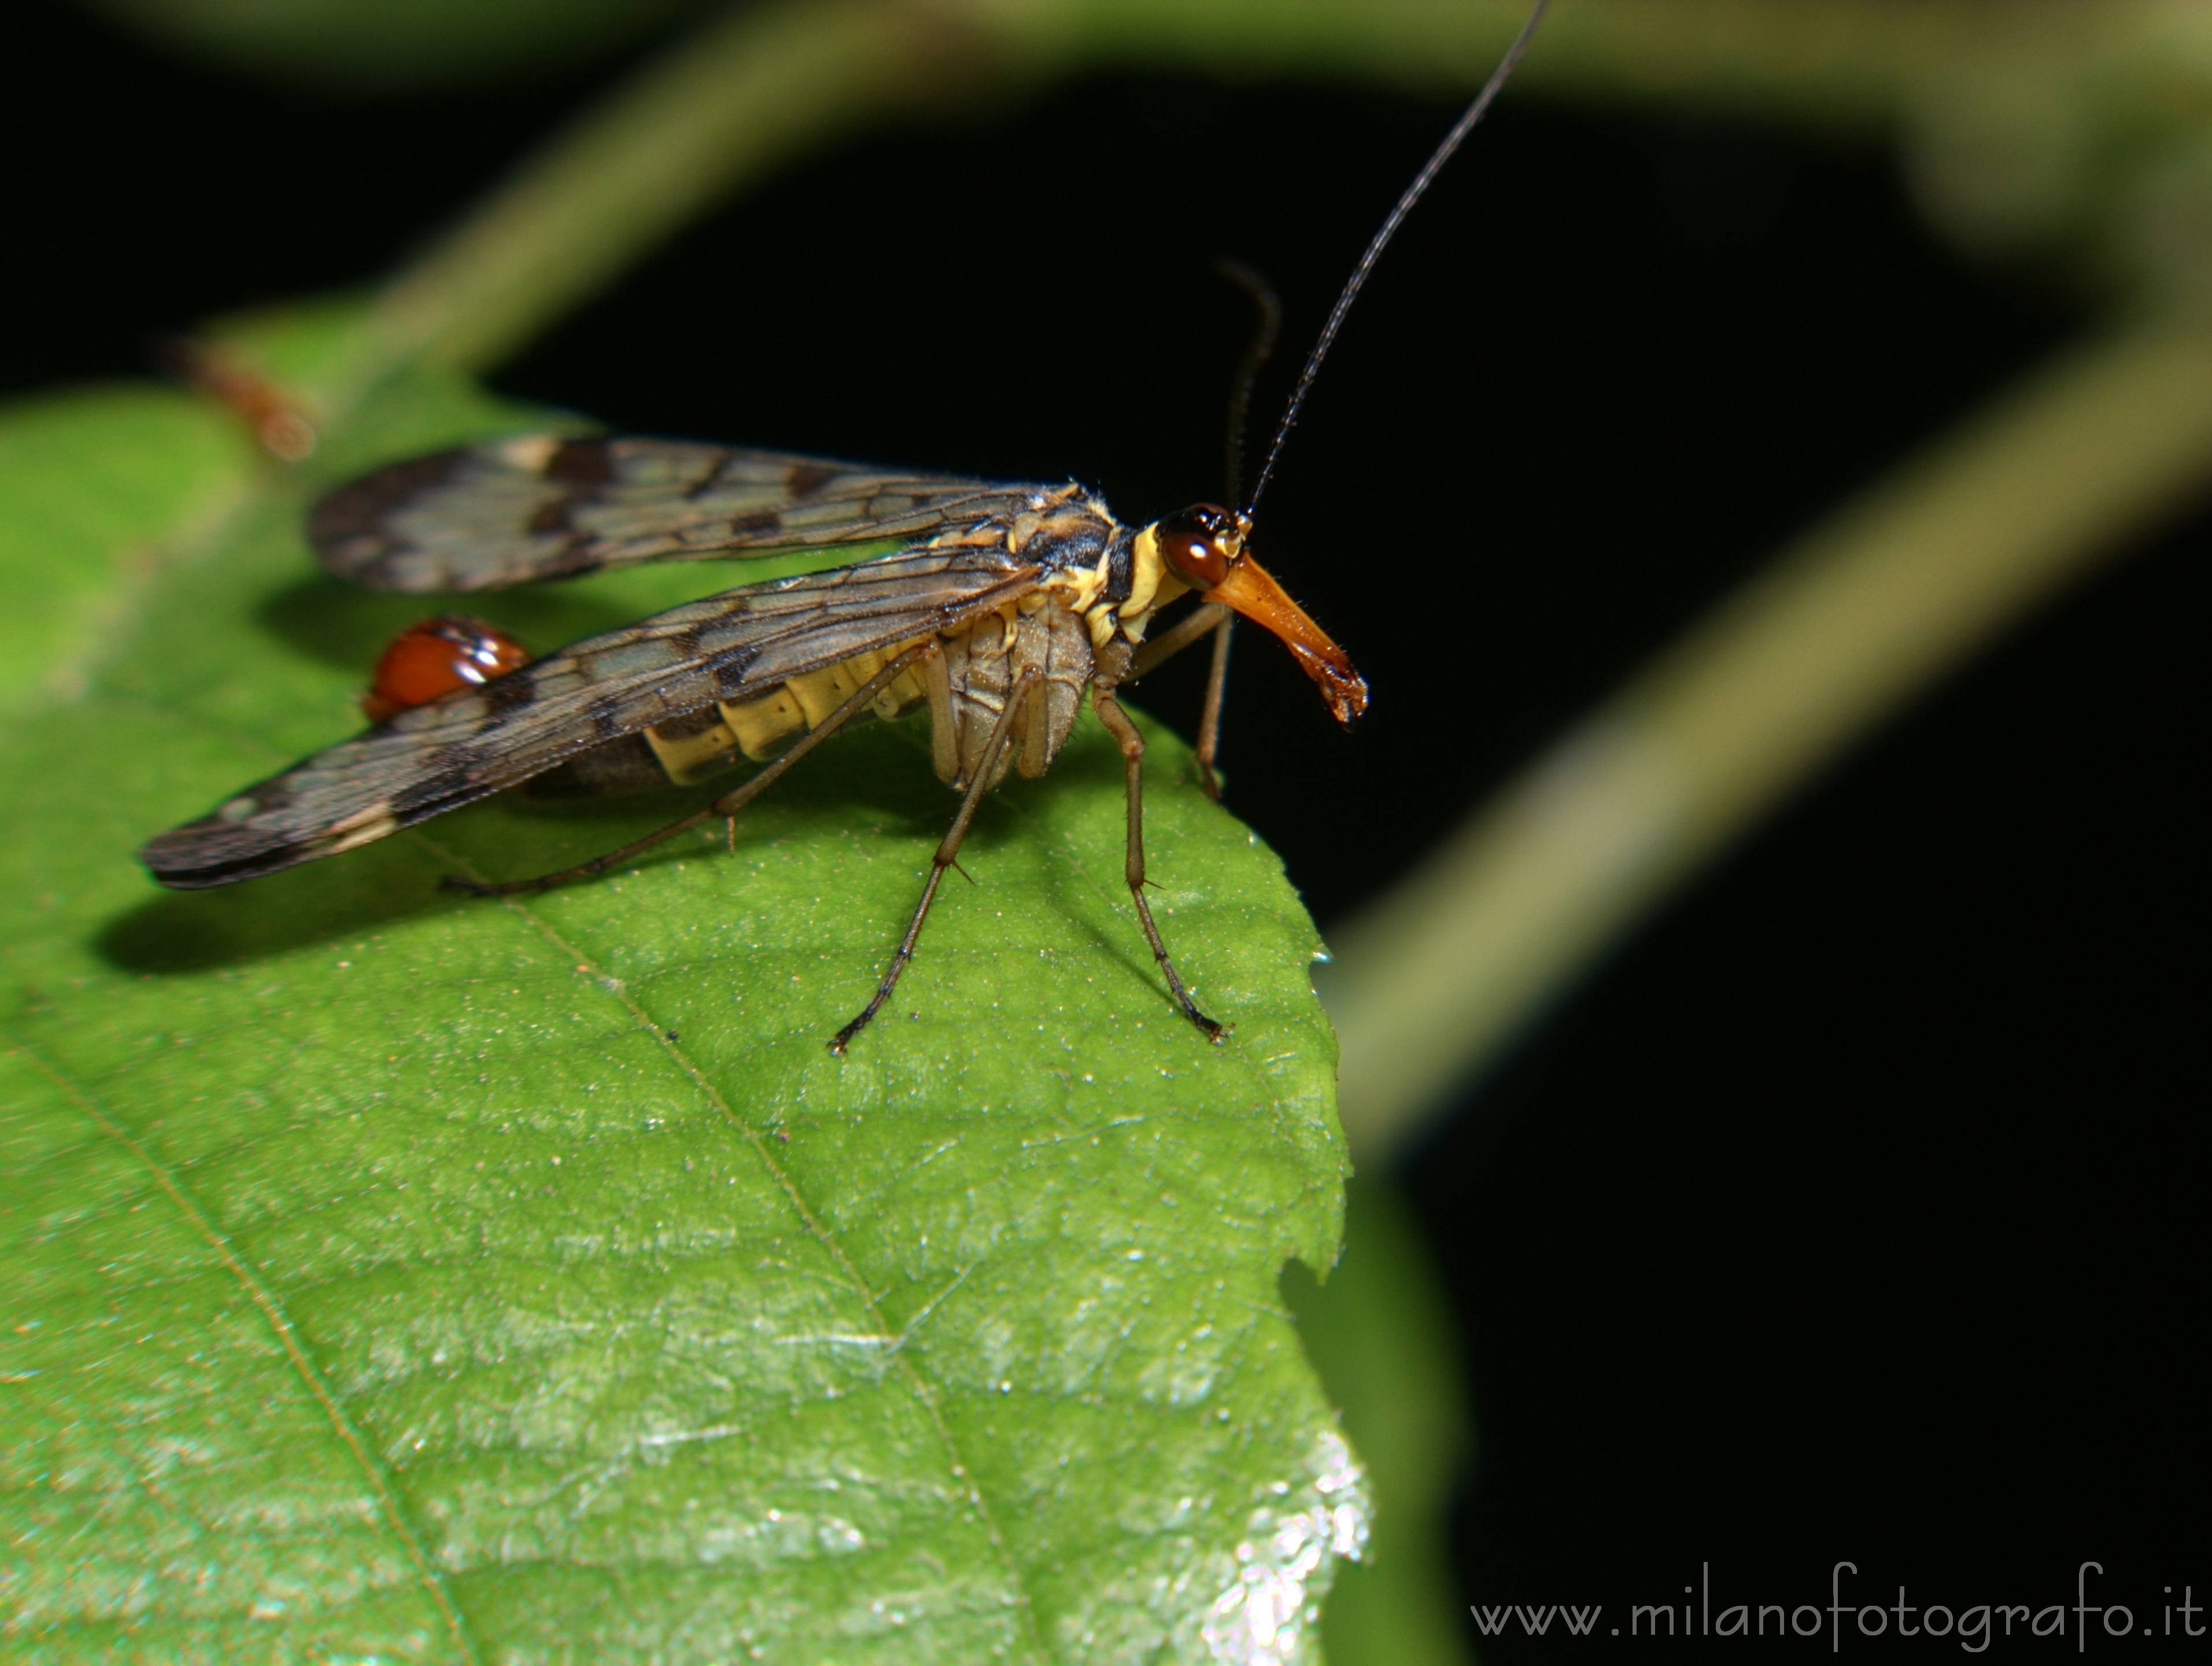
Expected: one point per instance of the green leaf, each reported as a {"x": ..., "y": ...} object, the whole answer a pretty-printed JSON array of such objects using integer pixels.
[{"x": 395, "y": 1275}]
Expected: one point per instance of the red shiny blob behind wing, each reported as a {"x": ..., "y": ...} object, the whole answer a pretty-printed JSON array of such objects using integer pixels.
[{"x": 429, "y": 660}]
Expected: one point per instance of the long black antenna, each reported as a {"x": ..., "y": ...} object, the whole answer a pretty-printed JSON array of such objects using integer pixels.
[{"x": 1422, "y": 181}]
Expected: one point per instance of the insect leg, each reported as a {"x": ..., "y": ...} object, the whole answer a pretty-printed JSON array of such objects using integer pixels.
[
  {"x": 1169, "y": 644},
  {"x": 1209, "y": 723},
  {"x": 943, "y": 727},
  {"x": 947, "y": 849},
  {"x": 1218, "y": 620},
  {"x": 726, "y": 805},
  {"x": 1133, "y": 754}
]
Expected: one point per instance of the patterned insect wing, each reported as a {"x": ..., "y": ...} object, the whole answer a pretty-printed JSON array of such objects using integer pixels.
[{"x": 544, "y": 507}]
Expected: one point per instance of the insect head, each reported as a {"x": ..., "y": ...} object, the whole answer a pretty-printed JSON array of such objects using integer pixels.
[{"x": 1204, "y": 546}]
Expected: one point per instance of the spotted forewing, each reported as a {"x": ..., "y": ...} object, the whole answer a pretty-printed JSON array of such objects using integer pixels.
[{"x": 540, "y": 507}]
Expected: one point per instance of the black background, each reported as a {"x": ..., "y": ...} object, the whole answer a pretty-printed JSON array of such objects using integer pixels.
[{"x": 1852, "y": 1211}]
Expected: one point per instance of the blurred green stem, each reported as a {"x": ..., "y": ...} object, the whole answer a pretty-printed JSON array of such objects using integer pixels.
[
  {"x": 760, "y": 87},
  {"x": 1849, "y": 58},
  {"x": 766, "y": 83},
  {"x": 1861, "y": 615}
]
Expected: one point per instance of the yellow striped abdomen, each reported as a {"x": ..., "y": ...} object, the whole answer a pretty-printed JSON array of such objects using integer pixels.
[{"x": 761, "y": 727}]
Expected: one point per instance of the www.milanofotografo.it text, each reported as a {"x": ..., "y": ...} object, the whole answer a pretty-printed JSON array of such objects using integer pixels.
[{"x": 1851, "y": 1617}]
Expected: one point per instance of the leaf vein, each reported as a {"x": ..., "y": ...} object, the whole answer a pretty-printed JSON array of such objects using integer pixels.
[
  {"x": 919, "y": 1384},
  {"x": 288, "y": 1336}
]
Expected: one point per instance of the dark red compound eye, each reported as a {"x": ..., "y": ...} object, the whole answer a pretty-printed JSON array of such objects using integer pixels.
[
  {"x": 1197, "y": 544},
  {"x": 429, "y": 660}
]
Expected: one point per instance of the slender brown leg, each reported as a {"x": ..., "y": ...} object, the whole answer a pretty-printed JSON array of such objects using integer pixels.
[
  {"x": 726, "y": 805},
  {"x": 1133, "y": 755},
  {"x": 1209, "y": 724},
  {"x": 947, "y": 849},
  {"x": 1217, "y": 621},
  {"x": 1191, "y": 627}
]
